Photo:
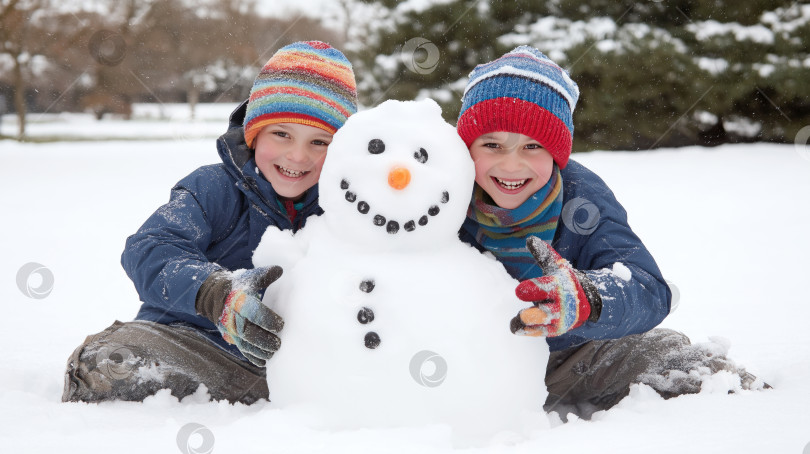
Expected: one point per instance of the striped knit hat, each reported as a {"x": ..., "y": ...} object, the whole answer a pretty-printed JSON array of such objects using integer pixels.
[
  {"x": 522, "y": 92},
  {"x": 309, "y": 83}
]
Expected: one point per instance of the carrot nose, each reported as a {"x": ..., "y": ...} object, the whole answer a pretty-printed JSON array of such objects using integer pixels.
[{"x": 399, "y": 177}]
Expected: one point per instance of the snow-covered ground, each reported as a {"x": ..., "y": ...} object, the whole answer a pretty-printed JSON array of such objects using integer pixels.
[
  {"x": 148, "y": 122},
  {"x": 727, "y": 225}
]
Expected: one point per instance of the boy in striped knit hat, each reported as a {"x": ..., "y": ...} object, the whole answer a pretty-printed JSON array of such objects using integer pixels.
[
  {"x": 202, "y": 321},
  {"x": 592, "y": 288}
]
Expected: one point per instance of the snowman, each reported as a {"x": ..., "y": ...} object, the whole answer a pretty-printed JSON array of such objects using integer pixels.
[{"x": 391, "y": 320}]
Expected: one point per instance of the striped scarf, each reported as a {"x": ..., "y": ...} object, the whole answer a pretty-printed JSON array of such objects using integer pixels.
[{"x": 503, "y": 232}]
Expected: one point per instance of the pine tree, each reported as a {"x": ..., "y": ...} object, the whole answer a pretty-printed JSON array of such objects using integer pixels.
[{"x": 651, "y": 74}]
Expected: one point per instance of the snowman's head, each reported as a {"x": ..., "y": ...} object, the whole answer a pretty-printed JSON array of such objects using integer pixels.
[{"x": 397, "y": 177}]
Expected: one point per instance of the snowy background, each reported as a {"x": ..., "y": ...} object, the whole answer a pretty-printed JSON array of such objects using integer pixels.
[{"x": 727, "y": 226}]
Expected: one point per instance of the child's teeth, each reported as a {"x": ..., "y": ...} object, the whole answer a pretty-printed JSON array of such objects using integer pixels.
[
  {"x": 290, "y": 172},
  {"x": 511, "y": 184}
]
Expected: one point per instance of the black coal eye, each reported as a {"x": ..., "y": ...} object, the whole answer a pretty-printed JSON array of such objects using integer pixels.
[
  {"x": 420, "y": 155},
  {"x": 376, "y": 146}
]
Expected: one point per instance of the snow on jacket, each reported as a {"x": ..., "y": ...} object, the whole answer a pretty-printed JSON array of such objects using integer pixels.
[
  {"x": 635, "y": 297},
  {"x": 214, "y": 220}
]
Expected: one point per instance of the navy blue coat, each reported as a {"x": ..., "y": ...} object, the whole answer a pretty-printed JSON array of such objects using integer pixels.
[
  {"x": 214, "y": 220},
  {"x": 628, "y": 307}
]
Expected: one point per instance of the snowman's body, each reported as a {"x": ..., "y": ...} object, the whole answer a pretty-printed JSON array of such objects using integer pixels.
[{"x": 389, "y": 318}]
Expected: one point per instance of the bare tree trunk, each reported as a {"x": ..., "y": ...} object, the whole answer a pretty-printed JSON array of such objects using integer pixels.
[
  {"x": 19, "y": 96},
  {"x": 346, "y": 8},
  {"x": 193, "y": 99}
]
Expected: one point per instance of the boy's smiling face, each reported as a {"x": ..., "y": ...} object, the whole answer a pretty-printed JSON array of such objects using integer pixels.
[
  {"x": 290, "y": 156},
  {"x": 510, "y": 167}
]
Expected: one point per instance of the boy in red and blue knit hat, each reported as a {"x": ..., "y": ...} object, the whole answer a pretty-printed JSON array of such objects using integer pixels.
[
  {"x": 592, "y": 288},
  {"x": 202, "y": 321}
]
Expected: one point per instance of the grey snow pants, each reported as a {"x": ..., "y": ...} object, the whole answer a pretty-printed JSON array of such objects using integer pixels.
[
  {"x": 597, "y": 375},
  {"x": 134, "y": 360}
]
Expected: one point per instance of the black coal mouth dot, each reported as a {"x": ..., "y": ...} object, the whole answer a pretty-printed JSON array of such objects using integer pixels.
[{"x": 392, "y": 226}]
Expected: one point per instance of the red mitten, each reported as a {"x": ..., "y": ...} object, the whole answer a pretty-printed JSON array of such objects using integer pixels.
[{"x": 561, "y": 301}]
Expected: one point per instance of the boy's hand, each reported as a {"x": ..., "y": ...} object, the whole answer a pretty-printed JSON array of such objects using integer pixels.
[
  {"x": 233, "y": 304},
  {"x": 564, "y": 298}
]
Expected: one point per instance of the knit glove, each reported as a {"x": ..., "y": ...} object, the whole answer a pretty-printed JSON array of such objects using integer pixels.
[
  {"x": 563, "y": 298},
  {"x": 232, "y": 302}
]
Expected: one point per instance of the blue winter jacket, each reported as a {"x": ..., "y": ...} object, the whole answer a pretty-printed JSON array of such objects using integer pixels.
[
  {"x": 214, "y": 220},
  {"x": 593, "y": 234}
]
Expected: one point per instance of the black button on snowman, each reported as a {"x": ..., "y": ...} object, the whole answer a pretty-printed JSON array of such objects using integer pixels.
[{"x": 366, "y": 315}]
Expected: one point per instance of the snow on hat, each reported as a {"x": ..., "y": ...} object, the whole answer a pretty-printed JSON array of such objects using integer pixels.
[
  {"x": 522, "y": 92},
  {"x": 309, "y": 83}
]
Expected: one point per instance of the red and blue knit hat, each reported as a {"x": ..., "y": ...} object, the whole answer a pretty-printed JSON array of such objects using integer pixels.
[
  {"x": 522, "y": 92},
  {"x": 309, "y": 83}
]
